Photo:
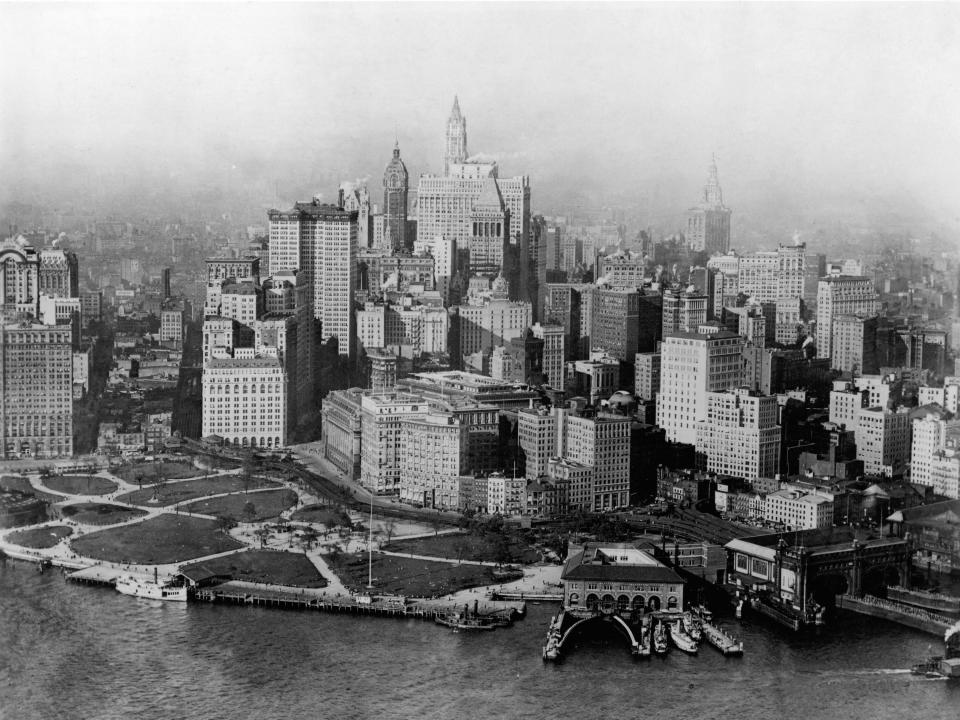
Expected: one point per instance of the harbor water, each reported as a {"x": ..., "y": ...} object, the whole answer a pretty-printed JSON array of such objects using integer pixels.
[{"x": 68, "y": 651}]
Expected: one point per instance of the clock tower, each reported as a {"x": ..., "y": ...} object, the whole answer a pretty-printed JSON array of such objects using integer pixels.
[
  {"x": 395, "y": 183},
  {"x": 455, "y": 150}
]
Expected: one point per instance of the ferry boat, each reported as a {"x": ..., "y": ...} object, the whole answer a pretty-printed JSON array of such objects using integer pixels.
[
  {"x": 660, "y": 639},
  {"x": 681, "y": 639},
  {"x": 138, "y": 587}
]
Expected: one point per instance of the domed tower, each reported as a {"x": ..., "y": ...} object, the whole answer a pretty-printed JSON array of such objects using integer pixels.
[
  {"x": 395, "y": 184},
  {"x": 456, "y": 147}
]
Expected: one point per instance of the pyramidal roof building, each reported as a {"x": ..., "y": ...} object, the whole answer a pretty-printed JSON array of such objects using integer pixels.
[{"x": 708, "y": 223}]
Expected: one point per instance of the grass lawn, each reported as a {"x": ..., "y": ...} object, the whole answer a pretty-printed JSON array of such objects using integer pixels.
[
  {"x": 166, "y": 538},
  {"x": 148, "y": 471},
  {"x": 80, "y": 484},
  {"x": 18, "y": 482},
  {"x": 100, "y": 513},
  {"x": 468, "y": 546},
  {"x": 266, "y": 566},
  {"x": 181, "y": 492},
  {"x": 44, "y": 537},
  {"x": 405, "y": 576},
  {"x": 266, "y": 505},
  {"x": 323, "y": 514}
]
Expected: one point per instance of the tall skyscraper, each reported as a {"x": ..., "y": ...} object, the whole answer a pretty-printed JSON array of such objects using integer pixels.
[
  {"x": 320, "y": 240},
  {"x": 691, "y": 366},
  {"x": 395, "y": 183},
  {"x": 36, "y": 390},
  {"x": 708, "y": 224},
  {"x": 489, "y": 223},
  {"x": 455, "y": 150}
]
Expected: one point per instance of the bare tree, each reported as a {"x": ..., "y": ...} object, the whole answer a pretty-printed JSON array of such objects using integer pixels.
[{"x": 389, "y": 530}]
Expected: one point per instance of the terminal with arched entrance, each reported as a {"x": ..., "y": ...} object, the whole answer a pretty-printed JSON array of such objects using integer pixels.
[{"x": 618, "y": 579}]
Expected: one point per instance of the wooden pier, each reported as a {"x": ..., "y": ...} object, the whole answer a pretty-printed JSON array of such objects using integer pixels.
[
  {"x": 721, "y": 640},
  {"x": 291, "y": 599}
]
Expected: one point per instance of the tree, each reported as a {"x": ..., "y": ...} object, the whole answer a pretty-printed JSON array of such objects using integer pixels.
[
  {"x": 436, "y": 525},
  {"x": 389, "y": 530},
  {"x": 249, "y": 511},
  {"x": 501, "y": 549},
  {"x": 224, "y": 523}
]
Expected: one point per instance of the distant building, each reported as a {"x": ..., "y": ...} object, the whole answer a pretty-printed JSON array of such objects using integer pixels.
[
  {"x": 841, "y": 295},
  {"x": 708, "y": 224},
  {"x": 647, "y": 375},
  {"x": 395, "y": 182}
]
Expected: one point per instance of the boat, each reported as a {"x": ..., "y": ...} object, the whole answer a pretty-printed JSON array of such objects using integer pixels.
[
  {"x": 703, "y": 612},
  {"x": 139, "y": 587},
  {"x": 691, "y": 626},
  {"x": 463, "y": 622},
  {"x": 681, "y": 639},
  {"x": 660, "y": 639}
]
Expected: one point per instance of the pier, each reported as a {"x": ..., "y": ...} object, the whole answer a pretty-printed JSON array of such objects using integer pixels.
[
  {"x": 917, "y": 618},
  {"x": 721, "y": 640},
  {"x": 235, "y": 593}
]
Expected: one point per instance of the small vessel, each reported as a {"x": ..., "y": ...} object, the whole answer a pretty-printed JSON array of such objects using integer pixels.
[
  {"x": 660, "y": 639},
  {"x": 721, "y": 640},
  {"x": 703, "y": 612},
  {"x": 458, "y": 621},
  {"x": 691, "y": 626},
  {"x": 681, "y": 639},
  {"x": 140, "y": 587}
]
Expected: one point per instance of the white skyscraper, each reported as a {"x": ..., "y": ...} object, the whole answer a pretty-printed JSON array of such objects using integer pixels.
[
  {"x": 320, "y": 240},
  {"x": 740, "y": 435},
  {"x": 692, "y": 365},
  {"x": 841, "y": 295}
]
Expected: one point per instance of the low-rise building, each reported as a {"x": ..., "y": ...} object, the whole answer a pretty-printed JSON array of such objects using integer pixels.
[
  {"x": 612, "y": 577},
  {"x": 798, "y": 511}
]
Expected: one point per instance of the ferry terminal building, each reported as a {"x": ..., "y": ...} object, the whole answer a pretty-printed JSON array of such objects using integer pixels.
[{"x": 618, "y": 577}]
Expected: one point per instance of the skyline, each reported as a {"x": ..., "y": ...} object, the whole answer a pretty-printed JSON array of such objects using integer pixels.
[{"x": 808, "y": 108}]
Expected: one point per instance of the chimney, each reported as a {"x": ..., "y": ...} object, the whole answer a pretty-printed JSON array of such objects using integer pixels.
[{"x": 340, "y": 198}]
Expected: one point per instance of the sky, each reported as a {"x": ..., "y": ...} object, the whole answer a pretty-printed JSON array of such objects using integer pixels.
[{"x": 805, "y": 105}]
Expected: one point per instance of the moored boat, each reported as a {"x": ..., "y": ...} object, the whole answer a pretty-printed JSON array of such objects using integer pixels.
[
  {"x": 139, "y": 587},
  {"x": 691, "y": 626},
  {"x": 681, "y": 639},
  {"x": 462, "y": 622},
  {"x": 660, "y": 639}
]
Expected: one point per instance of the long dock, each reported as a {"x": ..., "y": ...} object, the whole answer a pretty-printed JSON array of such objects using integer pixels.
[{"x": 293, "y": 599}]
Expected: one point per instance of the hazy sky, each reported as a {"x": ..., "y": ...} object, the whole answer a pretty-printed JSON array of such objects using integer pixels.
[{"x": 817, "y": 101}]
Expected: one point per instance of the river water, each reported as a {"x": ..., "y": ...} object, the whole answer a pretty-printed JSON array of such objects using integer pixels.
[{"x": 69, "y": 651}]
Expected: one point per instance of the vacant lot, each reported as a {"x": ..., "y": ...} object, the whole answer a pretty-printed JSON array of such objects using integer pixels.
[
  {"x": 148, "y": 472},
  {"x": 100, "y": 513},
  {"x": 464, "y": 546},
  {"x": 244, "y": 507},
  {"x": 323, "y": 514},
  {"x": 44, "y": 537},
  {"x": 181, "y": 492},
  {"x": 80, "y": 484},
  {"x": 166, "y": 538},
  {"x": 18, "y": 482},
  {"x": 266, "y": 566},
  {"x": 405, "y": 576}
]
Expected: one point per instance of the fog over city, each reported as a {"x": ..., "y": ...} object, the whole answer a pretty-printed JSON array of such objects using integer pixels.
[{"x": 817, "y": 114}]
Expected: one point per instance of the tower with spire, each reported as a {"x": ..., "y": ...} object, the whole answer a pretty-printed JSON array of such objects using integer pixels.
[
  {"x": 395, "y": 185},
  {"x": 708, "y": 223},
  {"x": 456, "y": 146}
]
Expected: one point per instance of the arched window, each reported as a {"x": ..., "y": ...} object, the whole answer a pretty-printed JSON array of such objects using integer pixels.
[{"x": 672, "y": 602}]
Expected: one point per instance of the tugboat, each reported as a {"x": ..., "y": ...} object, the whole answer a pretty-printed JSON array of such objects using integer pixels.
[
  {"x": 681, "y": 639},
  {"x": 660, "y": 639},
  {"x": 457, "y": 621}
]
